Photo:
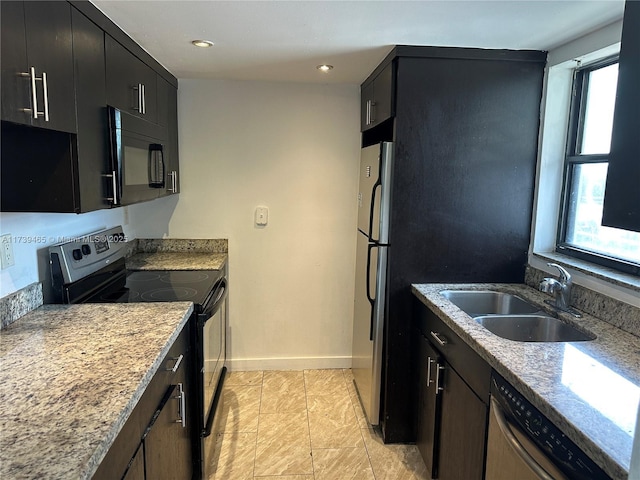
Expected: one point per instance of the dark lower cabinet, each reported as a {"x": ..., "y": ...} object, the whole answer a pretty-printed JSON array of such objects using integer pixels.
[
  {"x": 156, "y": 442},
  {"x": 168, "y": 434},
  {"x": 429, "y": 405},
  {"x": 135, "y": 471},
  {"x": 463, "y": 427},
  {"x": 454, "y": 385}
]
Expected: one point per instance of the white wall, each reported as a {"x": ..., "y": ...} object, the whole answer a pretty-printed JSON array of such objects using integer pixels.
[
  {"x": 32, "y": 233},
  {"x": 295, "y": 149}
]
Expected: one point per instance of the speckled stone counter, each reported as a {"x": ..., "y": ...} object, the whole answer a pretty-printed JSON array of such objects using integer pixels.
[
  {"x": 590, "y": 390},
  {"x": 178, "y": 254},
  {"x": 70, "y": 377},
  {"x": 177, "y": 261}
]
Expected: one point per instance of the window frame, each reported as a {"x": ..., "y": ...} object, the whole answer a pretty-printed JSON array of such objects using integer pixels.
[{"x": 572, "y": 158}]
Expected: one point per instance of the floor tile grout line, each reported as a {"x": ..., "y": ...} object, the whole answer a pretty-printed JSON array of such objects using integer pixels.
[
  {"x": 255, "y": 450},
  {"x": 306, "y": 402},
  {"x": 364, "y": 443}
]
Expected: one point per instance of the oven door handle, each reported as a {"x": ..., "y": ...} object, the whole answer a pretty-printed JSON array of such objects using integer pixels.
[{"x": 221, "y": 294}]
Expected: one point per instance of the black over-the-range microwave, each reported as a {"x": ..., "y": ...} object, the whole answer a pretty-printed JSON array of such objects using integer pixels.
[{"x": 137, "y": 159}]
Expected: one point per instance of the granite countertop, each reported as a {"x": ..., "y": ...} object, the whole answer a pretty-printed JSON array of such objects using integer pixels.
[
  {"x": 590, "y": 390},
  {"x": 177, "y": 261},
  {"x": 70, "y": 377}
]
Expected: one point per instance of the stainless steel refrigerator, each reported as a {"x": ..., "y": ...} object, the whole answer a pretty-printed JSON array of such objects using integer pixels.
[{"x": 374, "y": 199}]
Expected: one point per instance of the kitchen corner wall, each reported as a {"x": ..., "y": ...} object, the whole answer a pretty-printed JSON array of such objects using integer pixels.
[{"x": 293, "y": 148}]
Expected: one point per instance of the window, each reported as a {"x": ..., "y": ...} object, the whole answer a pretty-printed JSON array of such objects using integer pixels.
[{"x": 581, "y": 233}]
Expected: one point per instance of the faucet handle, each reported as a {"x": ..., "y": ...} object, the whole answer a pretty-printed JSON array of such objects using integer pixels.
[{"x": 565, "y": 276}]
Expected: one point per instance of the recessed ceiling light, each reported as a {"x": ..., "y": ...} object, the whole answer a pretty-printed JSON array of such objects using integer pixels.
[
  {"x": 202, "y": 43},
  {"x": 324, "y": 68}
]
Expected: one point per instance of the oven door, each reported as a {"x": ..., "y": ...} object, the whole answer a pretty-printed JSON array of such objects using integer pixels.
[{"x": 212, "y": 325}]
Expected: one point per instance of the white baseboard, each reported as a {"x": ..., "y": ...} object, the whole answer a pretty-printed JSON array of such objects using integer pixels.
[{"x": 287, "y": 363}]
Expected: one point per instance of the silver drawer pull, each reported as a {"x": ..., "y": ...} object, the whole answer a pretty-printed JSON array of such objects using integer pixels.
[
  {"x": 177, "y": 364},
  {"x": 440, "y": 339},
  {"x": 182, "y": 406}
]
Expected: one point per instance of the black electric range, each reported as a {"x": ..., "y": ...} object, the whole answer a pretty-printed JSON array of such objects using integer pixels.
[{"x": 92, "y": 269}]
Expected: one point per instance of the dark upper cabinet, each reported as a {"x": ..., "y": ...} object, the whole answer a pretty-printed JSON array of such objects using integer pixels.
[
  {"x": 168, "y": 118},
  {"x": 131, "y": 84},
  {"x": 93, "y": 130},
  {"x": 622, "y": 195},
  {"x": 37, "y": 65},
  {"x": 60, "y": 165},
  {"x": 377, "y": 98}
]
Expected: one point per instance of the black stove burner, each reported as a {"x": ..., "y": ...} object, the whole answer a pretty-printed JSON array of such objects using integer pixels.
[
  {"x": 180, "y": 276},
  {"x": 120, "y": 296},
  {"x": 169, "y": 294}
]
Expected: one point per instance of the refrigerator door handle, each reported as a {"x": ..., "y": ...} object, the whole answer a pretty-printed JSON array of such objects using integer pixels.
[
  {"x": 372, "y": 300},
  {"x": 376, "y": 187}
]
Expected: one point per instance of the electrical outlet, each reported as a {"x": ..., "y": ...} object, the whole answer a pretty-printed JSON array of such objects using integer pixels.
[{"x": 6, "y": 251}]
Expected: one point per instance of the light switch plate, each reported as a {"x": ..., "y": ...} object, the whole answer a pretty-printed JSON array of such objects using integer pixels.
[{"x": 262, "y": 216}]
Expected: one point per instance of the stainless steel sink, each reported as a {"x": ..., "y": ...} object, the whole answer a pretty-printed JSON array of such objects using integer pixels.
[
  {"x": 532, "y": 328},
  {"x": 484, "y": 302}
]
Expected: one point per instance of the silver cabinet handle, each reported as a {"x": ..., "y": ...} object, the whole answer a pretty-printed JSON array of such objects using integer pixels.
[
  {"x": 439, "y": 388},
  {"x": 177, "y": 364},
  {"x": 429, "y": 362},
  {"x": 182, "y": 414},
  {"x": 140, "y": 90},
  {"x": 114, "y": 186},
  {"x": 34, "y": 95},
  {"x": 144, "y": 103},
  {"x": 45, "y": 90},
  {"x": 372, "y": 112},
  {"x": 173, "y": 176},
  {"x": 438, "y": 338},
  {"x": 519, "y": 449}
]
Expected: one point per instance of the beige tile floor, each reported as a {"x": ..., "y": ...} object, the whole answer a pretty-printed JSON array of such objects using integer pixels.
[{"x": 303, "y": 425}]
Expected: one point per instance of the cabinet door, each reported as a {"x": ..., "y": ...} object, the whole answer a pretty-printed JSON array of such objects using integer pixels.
[
  {"x": 462, "y": 430},
  {"x": 167, "y": 447},
  {"x": 366, "y": 100},
  {"x": 429, "y": 406},
  {"x": 376, "y": 99},
  {"x": 131, "y": 84},
  {"x": 168, "y": 117},
  {"x": 15, "y": 86},
  {"x": 135, "y": 470},
  {"x": 38, "y": 35},
  {"x": 622, "y": 196},
  {"x": 49, "y": 50},
  {"x": 93, "y": 127},
  {"x": 383, "y": 95}
]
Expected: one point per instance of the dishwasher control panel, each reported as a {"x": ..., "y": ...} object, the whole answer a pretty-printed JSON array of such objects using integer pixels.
[{"x": 549, "y": 438}]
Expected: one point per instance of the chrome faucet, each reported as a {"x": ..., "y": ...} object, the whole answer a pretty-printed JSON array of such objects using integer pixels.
[{"x": 561, "y": 289}]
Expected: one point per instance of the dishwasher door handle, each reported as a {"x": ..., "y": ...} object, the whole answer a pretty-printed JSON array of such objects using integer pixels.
[{"x": 505, "y": 429}]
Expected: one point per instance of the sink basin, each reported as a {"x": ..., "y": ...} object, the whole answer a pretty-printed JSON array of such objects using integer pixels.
[
  {"x": 485, "y": 302},
  {"x": 532, "y": 328}
]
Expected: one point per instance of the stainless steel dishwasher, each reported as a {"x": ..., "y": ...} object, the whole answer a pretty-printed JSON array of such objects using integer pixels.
[{"x": 523, "y": 444}]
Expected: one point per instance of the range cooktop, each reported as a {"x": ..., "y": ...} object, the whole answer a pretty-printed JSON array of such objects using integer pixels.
[{"x": 162, "y": 286}]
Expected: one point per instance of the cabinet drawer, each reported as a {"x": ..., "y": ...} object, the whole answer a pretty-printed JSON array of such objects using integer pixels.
[{"x": 467, "y": 363}]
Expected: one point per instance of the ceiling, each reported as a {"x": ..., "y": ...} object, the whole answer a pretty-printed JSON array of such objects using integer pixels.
[{"x": 273, "y": 40}]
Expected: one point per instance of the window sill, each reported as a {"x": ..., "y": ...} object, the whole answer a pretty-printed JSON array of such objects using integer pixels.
[{"x": 604, "y": 280}]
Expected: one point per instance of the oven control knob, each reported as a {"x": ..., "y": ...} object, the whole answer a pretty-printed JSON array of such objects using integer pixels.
[
  {"x": 86, "y": 249},
  {"x": 77, "y": 254}
]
